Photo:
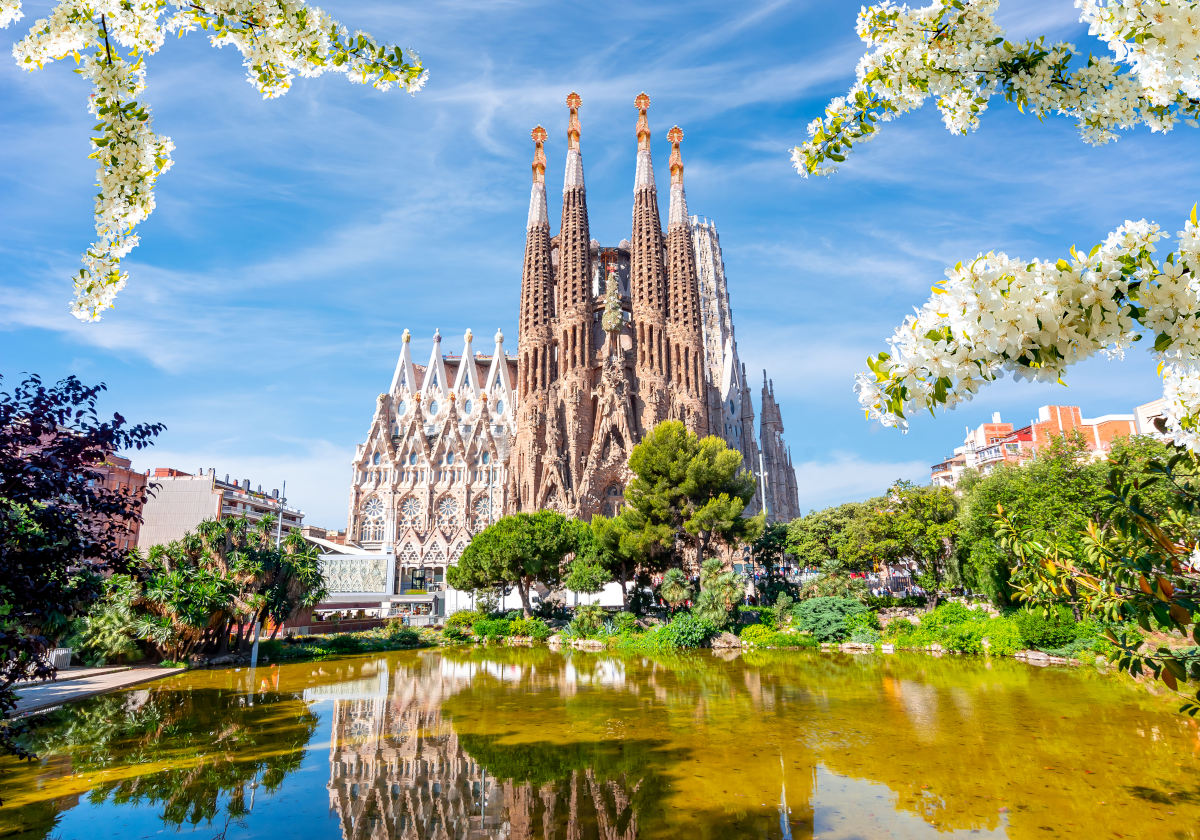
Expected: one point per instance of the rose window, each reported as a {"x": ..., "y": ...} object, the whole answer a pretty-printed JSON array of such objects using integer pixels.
[
  {"x": 372, "y": 521},
  {"x": 447, "y": 513},
  {"x": 410, "y": 513}
]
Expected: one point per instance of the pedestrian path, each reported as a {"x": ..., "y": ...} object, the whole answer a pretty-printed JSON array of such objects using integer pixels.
[{"x": 37, "y": 697}]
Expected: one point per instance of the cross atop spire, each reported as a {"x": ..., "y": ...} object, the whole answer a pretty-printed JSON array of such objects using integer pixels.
[
  {"x": 642, "y": 102},
  {"x": 675, "y": 135},
  {"x": 574, "y": 103},
  {"x": 539, "y": 154}
]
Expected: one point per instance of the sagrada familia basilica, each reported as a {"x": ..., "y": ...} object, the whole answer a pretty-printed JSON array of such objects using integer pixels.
[{"x": 612, "y": 341}]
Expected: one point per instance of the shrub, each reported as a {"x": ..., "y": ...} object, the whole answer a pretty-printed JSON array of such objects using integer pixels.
[
  {"x": 463, "y": 619},
  {"x": 753, "y": 615},
  {"x": 490, "y": 629},
  {"x": 344, "y": 643},
  {"x": 588, "y": 619},
  {"x": 827, "y": 617},
  {"x": 625, "y": 622},
  {"x": 533, "y": 628},
  {"x": 686, "y": 630},
  {"x": 756, "y": 634},
  {"x": 456, "y": 634},
  {"x": 1004, "y": 637},
  {"x": 1040, "y": 630},
  {"x": 399, "y": 635},
  {"x": 882, "y": 602},
  {"x": 952, "y": 612}
]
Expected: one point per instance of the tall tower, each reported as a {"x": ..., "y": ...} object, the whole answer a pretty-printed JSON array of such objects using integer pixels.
[
  {"x": 535, "y": 345},
  {"x": 574, "y": 326},
  {"x": 686, "y": 363},
  {"x": 647, "y": 284}
]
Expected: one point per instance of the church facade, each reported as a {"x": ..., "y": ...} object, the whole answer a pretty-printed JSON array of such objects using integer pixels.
[{"x": 612, "y": 341}]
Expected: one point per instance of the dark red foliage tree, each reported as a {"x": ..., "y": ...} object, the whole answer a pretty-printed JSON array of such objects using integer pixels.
[{"x": 60, "y": 526}]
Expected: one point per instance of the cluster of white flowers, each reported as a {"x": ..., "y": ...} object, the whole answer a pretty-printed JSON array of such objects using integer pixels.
[
  {"x": 10, "y": 10},
  {"x": 1034, "y": 319},
  {"x": 278, "y": 39},
  {"x": 954, "y": 52}
]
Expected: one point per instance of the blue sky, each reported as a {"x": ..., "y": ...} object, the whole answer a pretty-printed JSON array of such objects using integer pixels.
[{"x": 296, "y": 239}]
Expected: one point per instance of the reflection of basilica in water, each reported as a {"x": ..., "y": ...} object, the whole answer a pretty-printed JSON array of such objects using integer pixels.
[{"x": 399, "y": 770}]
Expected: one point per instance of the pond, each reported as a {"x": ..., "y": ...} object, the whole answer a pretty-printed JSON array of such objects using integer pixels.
[{"x": 521, "y": 743}]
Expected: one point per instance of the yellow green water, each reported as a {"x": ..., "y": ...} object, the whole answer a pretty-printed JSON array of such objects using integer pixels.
[{"x": 535, "y": 744}]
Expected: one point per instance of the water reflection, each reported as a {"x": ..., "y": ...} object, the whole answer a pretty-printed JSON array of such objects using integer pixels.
[{"x": 515, "y": 744}]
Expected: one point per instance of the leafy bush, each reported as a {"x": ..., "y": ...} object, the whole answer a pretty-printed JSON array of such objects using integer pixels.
[
  {"x": 756, "y": 634},
  {"x": 589, "y": 618},
  {"x": 491, "y": 629},
  {"x": 625, "y": 622},
  {"x": 1040, "y": 630},
  {"x": 402, "y": 636},
  {"x": 827, "y": 617},
  {"x": 760, "y": 635},
  {"x": 685, "y": 631},
  {"x": 533, "y": 628},
  {"x": 456, "y": 634},
  {"x": 463, "y": 619},
  {"x": 344, "y": 643},
  {"x": 757, "y": 615}
]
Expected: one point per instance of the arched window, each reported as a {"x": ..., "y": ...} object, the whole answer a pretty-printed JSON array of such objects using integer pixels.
[
  {"x": 468, "y": 406},
  {"x": 371, "y": 529},
  {"x": 402, "y": 408},
  {"x": 433, "y": 408},
  {"x": 485, "y": 457},
  {"x": 446, "y": 513},
  {"x": 449, "y": 457},
  {"x": 410, "y": 514},
  {"x": 412, "y": 458},
  {"x": 375, "y": 460},
  {"x": 499, "y": 407}
]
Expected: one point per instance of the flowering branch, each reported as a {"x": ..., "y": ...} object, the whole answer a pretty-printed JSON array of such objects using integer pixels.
[
  {"x": 278, "y": 39},
  {"x": 954, "y": 52},
  {"x": 1034, "y": 319}
]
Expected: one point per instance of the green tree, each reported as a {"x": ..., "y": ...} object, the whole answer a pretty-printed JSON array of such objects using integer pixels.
[
  {"x": 586, "y": 575},
  {"x": 687, "y": 495},
  {"x": 918, "y": 525},
  {"x": 768, "y": 552},
  {"x": 675, "y": 588},
  {"x": 1135, "y": 564},
  {"x": 219, "y": 581},
  {"x": 721, "y": 590},
  {"x": 516, "y": 551},
  {"x": 61, "y": 526},
  {"x": 1054, "y": 496},
  {"x": 832, "y": 534}
]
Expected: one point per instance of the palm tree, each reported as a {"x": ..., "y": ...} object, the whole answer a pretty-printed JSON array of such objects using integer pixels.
[{"x": 675, "y": 589}]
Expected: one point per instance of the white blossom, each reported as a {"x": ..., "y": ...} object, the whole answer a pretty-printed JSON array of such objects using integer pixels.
[
  {"x": 954, "y": 52},
  {"x": 1034, "y": 319},
  {"x": 109, "y": 41}
]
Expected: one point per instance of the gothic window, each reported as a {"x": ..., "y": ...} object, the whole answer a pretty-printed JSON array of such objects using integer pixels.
[
  {"x": 457, "y": 551},
  {"x": 481, "y": 513},
  {"x": 412, "y": 458},
  {"x": 433, "y": 408},
  {"x": 499, "y": 406},
  {"x": 371, "y": 529},
  {"x": 435, "y": 556},
  {"x": 447, "y": 513},
  {"x": 402, "y": 408},
  {"x": 410, "y": 513},
  {"x": 449, "y": 457},
  {"x": 468, "y": 406},
  {"x": 485, "y": 457},
  {"x": 375, "y": 460}
]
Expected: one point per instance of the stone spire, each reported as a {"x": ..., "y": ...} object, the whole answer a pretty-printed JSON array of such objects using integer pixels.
[
  {"x": 537, "y": 281},
  {"x": 647, "y": 286},
  {"x": 574, "y": 257},
  {"x": 683, "y": 301}
]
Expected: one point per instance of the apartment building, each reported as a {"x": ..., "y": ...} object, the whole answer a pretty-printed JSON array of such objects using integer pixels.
[
  {"x": 993, "y": 444},
  {"x": 180, "y": 501}
]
